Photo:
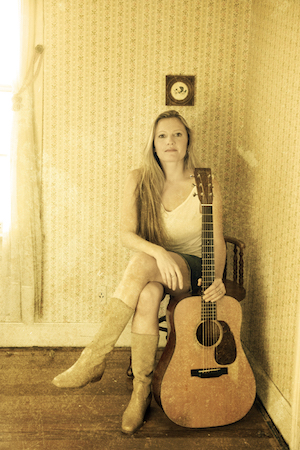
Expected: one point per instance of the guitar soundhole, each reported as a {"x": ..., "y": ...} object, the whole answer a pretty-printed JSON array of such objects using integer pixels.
[{"x": 209, "y": 333}]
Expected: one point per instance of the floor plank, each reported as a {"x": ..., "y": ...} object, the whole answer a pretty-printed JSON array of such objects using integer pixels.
[{"x": 34, "y": 414}]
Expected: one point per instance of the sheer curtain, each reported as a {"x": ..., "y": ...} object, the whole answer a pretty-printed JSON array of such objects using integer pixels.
[{"x": 22, "y": 243}]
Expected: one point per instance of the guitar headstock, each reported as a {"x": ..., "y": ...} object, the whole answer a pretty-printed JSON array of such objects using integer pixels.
[{"x": 204, "y": 185}]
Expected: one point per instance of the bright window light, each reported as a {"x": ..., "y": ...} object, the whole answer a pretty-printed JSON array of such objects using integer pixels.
[
  {"x": 9, "y": 40},
  {"x": 9, "y": 57}
]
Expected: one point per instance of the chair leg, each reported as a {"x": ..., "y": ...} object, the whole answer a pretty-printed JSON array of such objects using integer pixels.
[{"x": 129, "y": 372}]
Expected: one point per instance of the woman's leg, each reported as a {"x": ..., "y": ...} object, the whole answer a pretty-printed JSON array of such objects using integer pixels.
[
  {"x": 141, "y": 270},
  {"x": 145, "y": 319},
  {"x": 144, "y": 341},
  {"x": 143, "y": 348},
  {"x": 91, "y": 364}
]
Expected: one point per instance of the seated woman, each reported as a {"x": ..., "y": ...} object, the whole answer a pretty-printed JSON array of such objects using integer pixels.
[{"x": 161, "y": 223}]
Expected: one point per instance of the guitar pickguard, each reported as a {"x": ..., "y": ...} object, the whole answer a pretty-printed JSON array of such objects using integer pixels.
[{"x": 225, "y": 352}]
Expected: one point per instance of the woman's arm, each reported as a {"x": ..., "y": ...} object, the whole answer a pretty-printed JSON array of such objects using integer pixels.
[{"x": 168, "y": 268}]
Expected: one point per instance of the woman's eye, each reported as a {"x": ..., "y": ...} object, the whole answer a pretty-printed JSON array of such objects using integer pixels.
[
  {"x": 161, "y": 135},
  {"x": 178, "y": 134}
]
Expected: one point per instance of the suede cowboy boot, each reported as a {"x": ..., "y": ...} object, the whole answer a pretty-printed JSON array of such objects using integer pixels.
[
  {"x": 143, "y": 350},
  {"x": 91, "y": 364}
]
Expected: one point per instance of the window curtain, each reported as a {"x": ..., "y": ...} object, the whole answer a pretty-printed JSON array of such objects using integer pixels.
[{"x": 22, "y": 243}]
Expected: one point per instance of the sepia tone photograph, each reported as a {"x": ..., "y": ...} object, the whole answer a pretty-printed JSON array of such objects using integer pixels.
[{"x": 149, "y": 224}]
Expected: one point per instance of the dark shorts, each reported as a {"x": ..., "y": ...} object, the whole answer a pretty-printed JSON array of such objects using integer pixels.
[{"x": 194, "y": 264}]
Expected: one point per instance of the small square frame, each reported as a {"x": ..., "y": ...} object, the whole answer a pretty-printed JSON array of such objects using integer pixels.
[{"x": 180, "y": 90}]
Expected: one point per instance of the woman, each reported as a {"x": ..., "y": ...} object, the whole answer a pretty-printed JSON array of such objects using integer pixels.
[{"x": 161, "y": 222}]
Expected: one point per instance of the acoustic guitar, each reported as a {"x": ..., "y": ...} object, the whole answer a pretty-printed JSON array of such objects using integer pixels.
[{"x": 203, "y": 378}]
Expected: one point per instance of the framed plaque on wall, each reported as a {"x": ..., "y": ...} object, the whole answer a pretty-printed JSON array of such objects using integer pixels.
[{"x": 180, "y": 90}]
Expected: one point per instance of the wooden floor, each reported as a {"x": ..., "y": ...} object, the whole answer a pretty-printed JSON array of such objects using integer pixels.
[{"x": 34, "y": 414}]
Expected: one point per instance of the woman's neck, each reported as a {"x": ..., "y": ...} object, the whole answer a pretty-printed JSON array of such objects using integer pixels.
[{"x": 175, "y": 173}]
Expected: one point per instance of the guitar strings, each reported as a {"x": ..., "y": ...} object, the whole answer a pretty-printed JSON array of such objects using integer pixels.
[{"x": 208, "y": 309}]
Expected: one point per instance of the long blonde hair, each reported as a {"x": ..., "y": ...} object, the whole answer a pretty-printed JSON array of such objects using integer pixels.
[{"x": 151, "y": 183}]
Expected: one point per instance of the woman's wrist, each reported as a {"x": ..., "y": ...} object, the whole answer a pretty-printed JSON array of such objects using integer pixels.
[{"x": 156, "y": 251}]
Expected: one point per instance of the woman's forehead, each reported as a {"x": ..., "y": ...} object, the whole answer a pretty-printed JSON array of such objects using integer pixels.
[{"x": 169, "y": 123}]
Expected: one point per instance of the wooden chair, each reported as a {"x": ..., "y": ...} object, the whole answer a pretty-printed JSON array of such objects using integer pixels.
[{"x": 234, "y": 287}]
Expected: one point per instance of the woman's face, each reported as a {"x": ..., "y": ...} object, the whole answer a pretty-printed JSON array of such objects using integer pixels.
[{"x": 170, "y": 140}]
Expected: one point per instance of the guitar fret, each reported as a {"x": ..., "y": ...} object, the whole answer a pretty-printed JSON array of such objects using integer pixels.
[
  {"x": 208, "y": 311},
  {"x": 208, "y": 266}
]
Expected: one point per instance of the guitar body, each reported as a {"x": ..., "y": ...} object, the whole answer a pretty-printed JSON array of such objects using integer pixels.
[{"x": 202, "y": 381}]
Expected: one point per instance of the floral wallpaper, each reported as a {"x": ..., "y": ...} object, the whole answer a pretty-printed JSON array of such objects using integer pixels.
[
  {"x": 105, "y": 66},
  {"x": 104, "y": 83},
  {"x": 267, "y": 212}
]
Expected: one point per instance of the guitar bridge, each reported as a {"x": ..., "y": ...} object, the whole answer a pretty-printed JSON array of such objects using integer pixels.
[{"x": 209, "y": 373}]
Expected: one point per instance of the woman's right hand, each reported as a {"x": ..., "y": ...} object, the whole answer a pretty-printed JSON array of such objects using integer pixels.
[{"x": 169, "y": 269}]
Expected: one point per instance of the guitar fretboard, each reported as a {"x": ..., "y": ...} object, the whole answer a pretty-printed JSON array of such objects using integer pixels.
[{"x": 208, "y": 263}]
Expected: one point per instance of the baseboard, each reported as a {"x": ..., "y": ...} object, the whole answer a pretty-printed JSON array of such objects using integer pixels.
[
  {"x": 276, "y": 405},
  {"x": 57, "y": 335}
]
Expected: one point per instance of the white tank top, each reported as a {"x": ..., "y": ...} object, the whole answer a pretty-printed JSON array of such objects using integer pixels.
[{"x": 184, "y": 226}]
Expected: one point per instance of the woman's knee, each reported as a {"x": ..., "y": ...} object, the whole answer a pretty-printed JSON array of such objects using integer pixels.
[
  {"x": 150, "y": 298},
  {"x": 141, "y": 263}
]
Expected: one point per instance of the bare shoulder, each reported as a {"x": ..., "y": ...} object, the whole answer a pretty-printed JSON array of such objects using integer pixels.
[
  {"x": 134, "y": 175},
  {"x": 132, "y": 180}
]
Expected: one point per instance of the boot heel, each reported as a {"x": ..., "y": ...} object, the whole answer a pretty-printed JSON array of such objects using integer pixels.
[
  {"x": 100, "y": 369},
  {"x": 95, "y": 379}
]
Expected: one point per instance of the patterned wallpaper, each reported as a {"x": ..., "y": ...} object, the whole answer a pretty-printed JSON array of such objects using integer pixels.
[
  {"x": 268, "y": 213},
  {"x": 104, "y": 83}
]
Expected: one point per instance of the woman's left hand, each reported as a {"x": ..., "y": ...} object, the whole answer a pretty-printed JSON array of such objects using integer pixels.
[{"x": 215, "y": 291}]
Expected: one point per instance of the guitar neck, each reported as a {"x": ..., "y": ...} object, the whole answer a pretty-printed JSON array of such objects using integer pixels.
[
  {"x": 203, "y": 180},
  {"x": 208, "y": 262}
]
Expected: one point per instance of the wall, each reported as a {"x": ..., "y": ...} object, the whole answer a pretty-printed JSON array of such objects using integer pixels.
[
  {"x": 268, "y": 211},
  {"x": 104, "y": 83}
]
